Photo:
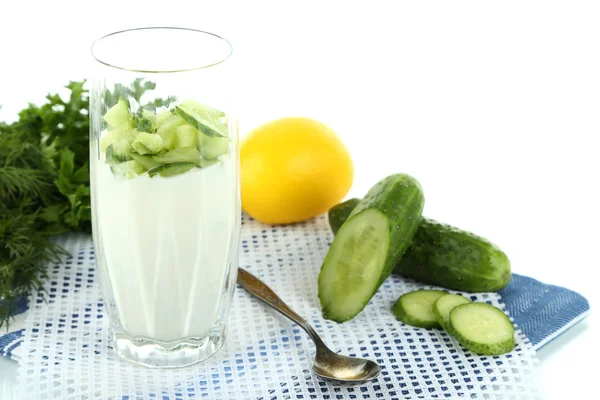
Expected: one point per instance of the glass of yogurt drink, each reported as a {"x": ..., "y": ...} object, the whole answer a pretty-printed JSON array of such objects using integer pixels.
[{"x": 165, "y": 191}]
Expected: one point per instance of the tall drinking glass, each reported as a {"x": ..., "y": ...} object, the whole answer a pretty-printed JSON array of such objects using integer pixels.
[{"x": 165, "y": 191}]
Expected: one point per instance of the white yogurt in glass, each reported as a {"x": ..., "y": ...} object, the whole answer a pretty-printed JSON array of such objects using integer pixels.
[{"x": 166, "y": 245}]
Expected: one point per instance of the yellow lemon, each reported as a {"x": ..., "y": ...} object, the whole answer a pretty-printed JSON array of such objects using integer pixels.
[{"x": 293, "y": 169}]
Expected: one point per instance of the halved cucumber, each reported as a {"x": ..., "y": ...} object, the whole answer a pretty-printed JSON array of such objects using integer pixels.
[
  {"x": 416, "y": 308},
  {"x": 482, "y": 328},
  {"x": 444, "y": 305},
  {"x": 352, "y": 268},
  {"x": 368, "y": 246}
]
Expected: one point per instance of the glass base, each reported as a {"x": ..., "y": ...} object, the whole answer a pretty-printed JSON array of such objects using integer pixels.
[{"x": 177, "y": 354}]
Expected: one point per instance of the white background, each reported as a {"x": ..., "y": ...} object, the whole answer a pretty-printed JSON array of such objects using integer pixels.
[{"x": 493, "y": 106}]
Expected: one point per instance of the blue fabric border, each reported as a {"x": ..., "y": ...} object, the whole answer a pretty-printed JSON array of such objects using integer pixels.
[{"x": 540, "y": 310}]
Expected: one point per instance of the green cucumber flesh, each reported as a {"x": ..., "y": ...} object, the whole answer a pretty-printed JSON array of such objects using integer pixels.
[
  {"x": 444, "y": 305},
  {"x": 368, "y": 245},
  {"x": 354, "y": 265},
  {"x": 118, "y": 116},
  {"x": 199, "y": 122},
  {"x": 147, "y": 143},
  {"x": 168, "y": 128},
  {"x": 186, "y": 136},
  {"x": 184, "y": 154},
  {"x": 128, "y": 169},
  {"x": 118, "y": 152},
  {"x": 482, "y": 328},
  {"x": 213, "y": 147},
  {"x": 416, "y": 308},
  {"x": 216, "y": 117},
  {"x": 169, "y": 170},
  {"x": 146, "y": 161},
  {"x": 338, "y": 214}
]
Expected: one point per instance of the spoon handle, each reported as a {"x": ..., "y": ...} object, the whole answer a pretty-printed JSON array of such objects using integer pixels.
[{"x": 259, "y": 289}]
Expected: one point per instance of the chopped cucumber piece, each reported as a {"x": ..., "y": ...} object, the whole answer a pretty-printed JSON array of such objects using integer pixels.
[
  {"x": 197, "y": 118},
  {"x": 147, "y": 143},
  {"x": 444, "y": 305},
  {"x": 119, "y": 151},
  {"x": 168, "y": 170},
  {"x": 213, "y": 147},
  {"x": 482, "y": 328},
  {"x": 416, "y": 308},
  {"x": 128, "y": 169},
  {"x": 184, "y": 154},
  {"x": 146, "y": 161},
  {"x": 107, "y": 139},
  {"x": 207, "y": 163},
  {"x": 216, "y": 117},
  {"x": 168, "y": 129},
  {"x": 118, "y": 116},
  {"x": 186, "y": 136},
  {"x": 162, "y": 118}
]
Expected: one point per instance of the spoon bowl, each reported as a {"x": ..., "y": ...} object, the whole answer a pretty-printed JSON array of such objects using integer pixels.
[
  {"x": 340, "y": 368},
  {"x": 327, "y": 364}
]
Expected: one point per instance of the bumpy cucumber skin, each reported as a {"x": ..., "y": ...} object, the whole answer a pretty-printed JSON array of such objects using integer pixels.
[
  {"x": 400, "y": 199},
  {"x": 503, "y": 347},
  {"x": 455, "y": 259},
  {"x": 445, "y": 256},
  {"x": 440, "y": 318},
  {"x": 338, "y": 214},
  {"x": 401, "y": 313}
]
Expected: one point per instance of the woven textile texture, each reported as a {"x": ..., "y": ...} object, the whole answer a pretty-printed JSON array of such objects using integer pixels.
[{"x": 66, "y": 353}]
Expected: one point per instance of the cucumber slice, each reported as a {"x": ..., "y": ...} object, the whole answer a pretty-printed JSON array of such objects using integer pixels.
[
  {"x": 147, "y": 143},
  {"x": 196, "y": 117},
  {"x": 482, "y": 328},
  {"x": 168, "y": 170},
  {"x": 184, "y": 154},
  {"x": 118, "y": 152},
  {"x": 146, "y": 161},
  {"x": 444, "y": 305},
  {"x": 118, "y": 116},
  {"x": 416, "y": 308},
  {"x": 186, "y": 136},
  {"x": 128, "y": 169},
  {"x": 212, "y": 148}
]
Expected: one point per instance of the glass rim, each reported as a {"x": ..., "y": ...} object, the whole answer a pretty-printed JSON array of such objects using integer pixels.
[{"x": 156, "y": 71}]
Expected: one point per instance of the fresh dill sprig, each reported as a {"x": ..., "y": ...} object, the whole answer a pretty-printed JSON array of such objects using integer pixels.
[{"x": 45, "y": 184}]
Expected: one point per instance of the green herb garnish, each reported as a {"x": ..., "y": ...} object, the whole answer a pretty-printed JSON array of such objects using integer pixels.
[{"x": 45, "y": 184}]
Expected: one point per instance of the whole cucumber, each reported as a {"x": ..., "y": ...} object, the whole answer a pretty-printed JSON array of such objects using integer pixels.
[
  {"x": 445, "y": 256},
  {"x": 369, "y": 245}
]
